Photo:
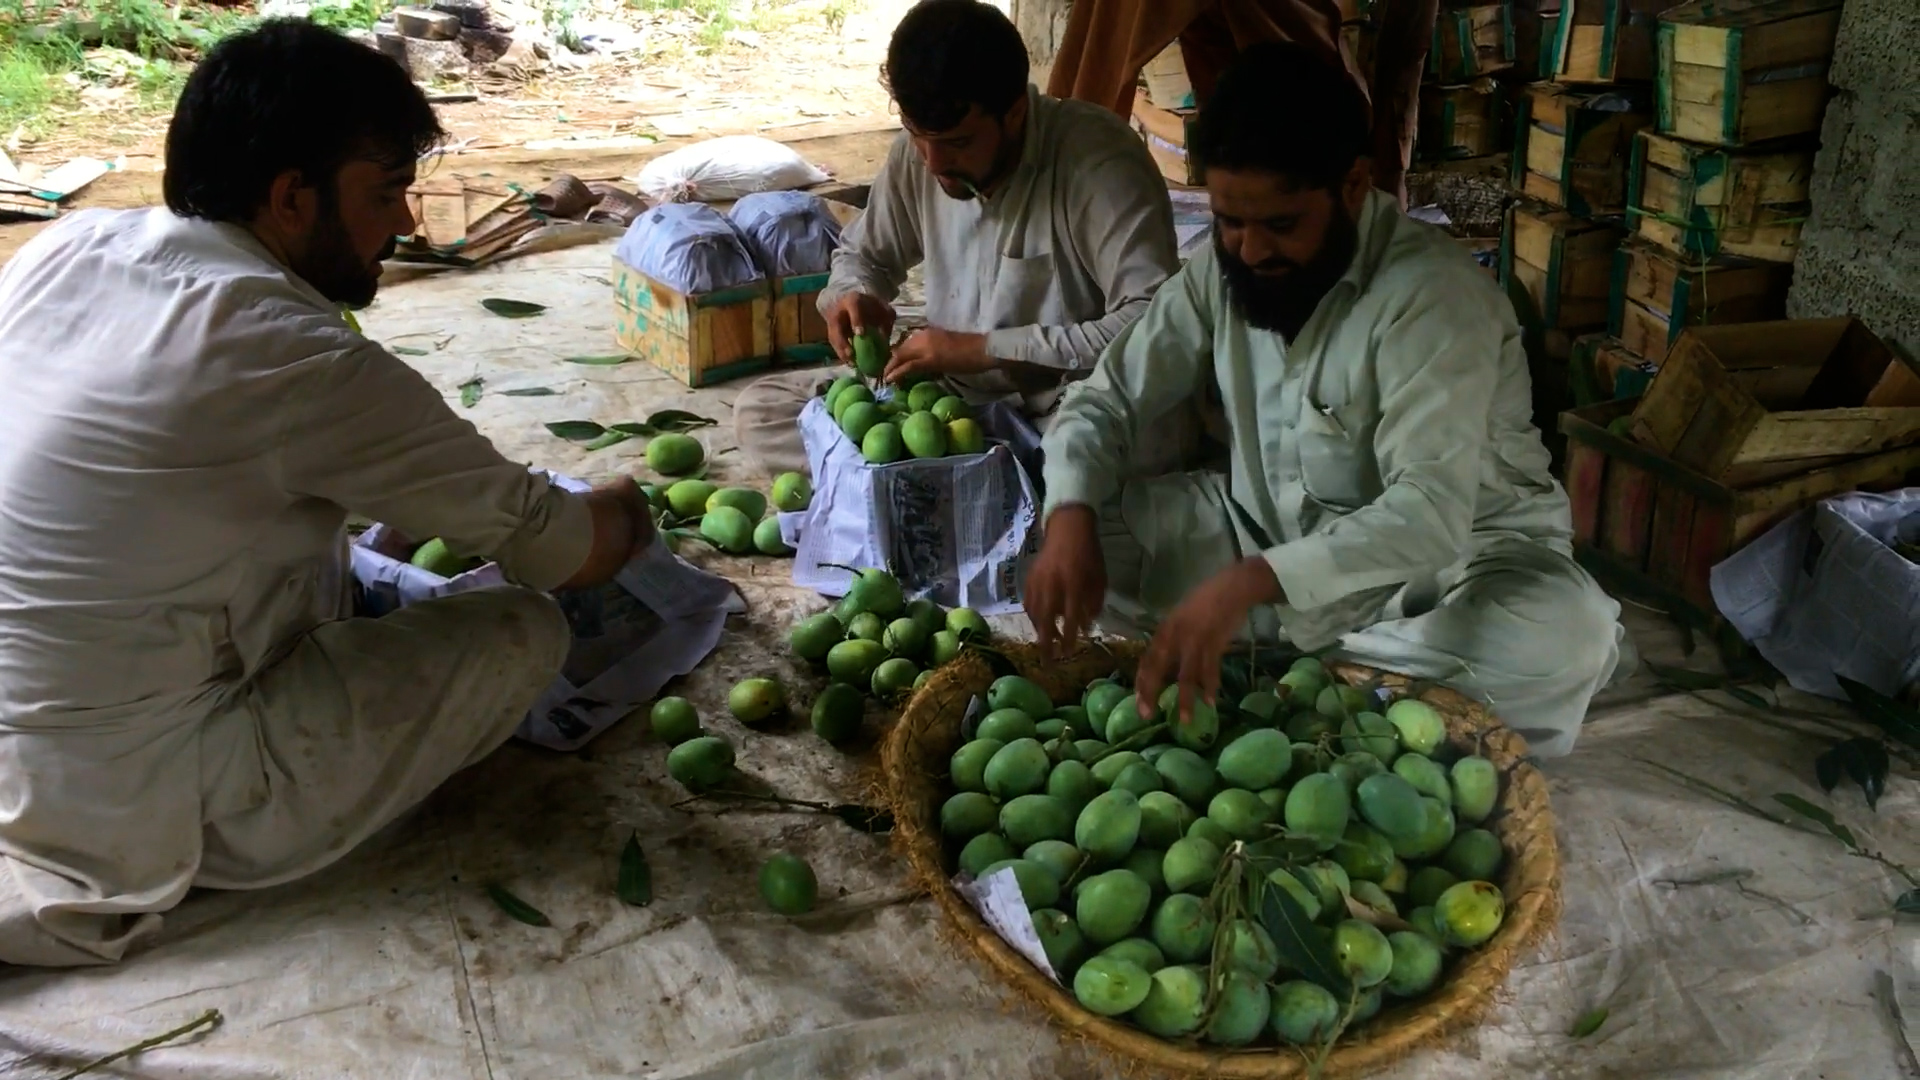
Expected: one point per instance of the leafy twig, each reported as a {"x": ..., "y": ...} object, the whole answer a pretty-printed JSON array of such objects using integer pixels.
[
  {"x": 1725, "y": 797},
  {"x": 210, "y": 1019}
]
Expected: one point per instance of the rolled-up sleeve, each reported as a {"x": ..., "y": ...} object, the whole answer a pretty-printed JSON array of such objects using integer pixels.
[
  {"x": 1155, "y": 363},
  {"x": 1437, "y": 364},
  {"x": 374, "y": 436},
  {"x": 1120, "y": 222}
]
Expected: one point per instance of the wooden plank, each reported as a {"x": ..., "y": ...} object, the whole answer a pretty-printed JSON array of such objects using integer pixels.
[
  {"x": 1671, "y": 534},
  {"x": 1709, "y": 541},
  {"x": 1627, "y": 513},
  {"x": 1586, "y": 480}
]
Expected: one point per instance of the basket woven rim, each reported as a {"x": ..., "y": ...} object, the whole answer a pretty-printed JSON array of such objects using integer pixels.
[{"x": 1523, "y": 819}]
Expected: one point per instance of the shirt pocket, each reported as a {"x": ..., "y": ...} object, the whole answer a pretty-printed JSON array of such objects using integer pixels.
[
  {"x": 1026, "y": 291},
  {"x": 1337, "y": 467}
]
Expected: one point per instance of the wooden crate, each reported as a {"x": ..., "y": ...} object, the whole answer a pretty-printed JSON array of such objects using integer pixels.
[
  {"x": 1460, "y": 121},
  {"x": 1606, "y": 41},
  {"x": 1753, "y": 401},
  {"x": 1701, "y": 202},
  {"x": 799, "y": 330},
  {"x": 1603, "y": 368},
  {"x": 1657, "y": 294},
  {"x": 1469, "y": 42},
  {"x": 1166, "y": 79},
  {"x": 698, "y": 339},
  {"x": 1536, "y": 37},
  {"x": 1659, "y": 525},
  {"x": 1165, "y": 132},
  {"x": 1737, "y": 72},
  {"x": 1574, "y": 150},
  {"x": 1558, "y": 267}
]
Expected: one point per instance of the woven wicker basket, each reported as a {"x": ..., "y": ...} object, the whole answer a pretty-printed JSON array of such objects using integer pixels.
[{"x": 915, "y": 761}]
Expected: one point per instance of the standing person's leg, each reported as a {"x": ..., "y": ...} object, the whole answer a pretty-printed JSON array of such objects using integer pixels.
[
  {"x": 766, "y": 418},
  {"x": 360, "y": 721},
  {"x": 1527, "y": 631},
  {"x": 1399, "y": 61}
]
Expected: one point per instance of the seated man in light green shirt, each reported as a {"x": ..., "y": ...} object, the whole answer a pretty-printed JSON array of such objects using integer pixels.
[{"x": 1387, "y": 496}]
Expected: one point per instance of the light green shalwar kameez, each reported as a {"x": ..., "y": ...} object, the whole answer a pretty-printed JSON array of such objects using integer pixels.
[{"x": 1384, "y": 464}]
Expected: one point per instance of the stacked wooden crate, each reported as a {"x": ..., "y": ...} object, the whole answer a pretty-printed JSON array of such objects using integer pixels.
[
  {"x": 1745, "y": 424},
  {"x": 1163, "y": 111}
]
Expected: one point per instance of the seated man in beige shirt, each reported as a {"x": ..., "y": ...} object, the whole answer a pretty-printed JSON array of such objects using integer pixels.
[
  {"x": 185, "y": 421},
  {"x": 1042, "y": 226}
]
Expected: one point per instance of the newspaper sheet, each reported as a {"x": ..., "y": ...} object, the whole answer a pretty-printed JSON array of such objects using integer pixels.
[
  {"x": 956, "y": 529},
  {"x": 657, "y": 619},
  {"x": 1825, "y": 593}
]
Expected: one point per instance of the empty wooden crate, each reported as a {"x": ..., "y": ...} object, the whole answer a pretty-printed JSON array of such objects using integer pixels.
[
  {"x": 1736, "y": 72},
  {"x": 1657, "y": 294},
  {"x": 1606, "y": 41},
  {"x": 1460, "y": 121},
  {"x": 1602, "y": 368},
  {"x": 1651, "y": 523},
  {"x": 1754, "y": 401},
  {"x": 1575, "y": 150},
  {"x": 1469, "y": 42},
  {"x": 699, "y": 339},
  {"x": 1701, "y": 201},
  {"x": 1536, "y": 40},
  {"x": 1558, "y": 267}
]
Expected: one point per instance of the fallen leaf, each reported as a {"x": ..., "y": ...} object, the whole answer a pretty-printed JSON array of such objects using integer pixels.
[
  {"x": 1908, "y": 902},
  {"x": 470, "y": 391},
  {"x": 867, "y": 819},
  {"x": 1807, "y": 810},
  {"x": 531, "y": 391},
  {"x": 1588, "y": 1023},
  {"x": 608, "y": 438},
  {"x": 512, "y": 309},
  {"x": 407, "y": 350},
  {"x": 679, "y": 420},
  {"x": 576, "y": 430},
  {"x": 600, "y": 361},
  {"x": 636, "y": 877},
  {"x": 517, "y": 908},
  {"x": 1378, "y": 917}
]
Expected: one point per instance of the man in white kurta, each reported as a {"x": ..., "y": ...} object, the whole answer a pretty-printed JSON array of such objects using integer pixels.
[
  {"x": 185, "y": 420},
  {"x": 1387, "y": 496},
  {"x": 1042, "y": 228}
]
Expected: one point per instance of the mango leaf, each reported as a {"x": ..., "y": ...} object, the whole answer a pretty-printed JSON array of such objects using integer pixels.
[
  {"x": 1588, "y": 1023},
  {"x": 632, "y": 428},
  {"x": 679, "y": 420},
  {"x": 997, "y": 661},
  {"x": 1898, "y": 720},
  {"x": 1908, "y": 903},
  {"x": 1748, "y": 697},
  {"x": 608, "y": 438},
  {"x": 636, "y": 877},
  {"x": 598, "y": 361},
  {"x": 512, "y": 309},
  {"x": 1814, "y": 813},
  {"x": 1687, "y": 678},
  {"x": 1298, "y": 940},
  {"x": 576, "y": 430},
  {"x": 1386, "y": 921},
  {"x": 407, "y": 350},
  {"x": 1827, "y": 768},
  {"x": 1283, "y": 849},
  {"x": 470, "y": 391},
  {"x": 867, "y": 819},
  {"x": 516, "y": 908},
  {"x": 531, "y": 391}
]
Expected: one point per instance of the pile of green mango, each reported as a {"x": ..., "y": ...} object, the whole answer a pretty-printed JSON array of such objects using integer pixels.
[
  {"x": 920, "y": 420},
  {"x": 1269, "y": 872},
  {"x": 734, "y": 519},
  {"x": 877, "y": 641}
]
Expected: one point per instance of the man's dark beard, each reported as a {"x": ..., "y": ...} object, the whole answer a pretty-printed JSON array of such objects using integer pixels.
[
  {"x": 1283, "y": 304},
  {"x": 331, "y": 265},
  {"x": 1005, "y": 160}
]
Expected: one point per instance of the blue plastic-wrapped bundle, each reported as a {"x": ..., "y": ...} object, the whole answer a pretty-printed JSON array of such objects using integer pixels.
[
  {"x": 790, "y": 232},
  {"x": 690, "y": 247}
]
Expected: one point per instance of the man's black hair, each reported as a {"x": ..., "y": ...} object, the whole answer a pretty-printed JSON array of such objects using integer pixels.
[
  {"x": 947, "y": 56},
  {"x": 1284, "y": 109},
  {"x": 287, "y": 95}
]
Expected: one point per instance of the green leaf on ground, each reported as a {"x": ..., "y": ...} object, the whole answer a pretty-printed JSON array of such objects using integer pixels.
[
  {"x": 1687, "y": 678},
  {"x": 512, "y": 309},
  {"x": 1588, "y": 1023},
  {"x": 516, "y": 908},
  {"x": 470, "y": 391},
  {"x": 636, "y": 877},
  {"x": 679, "y": 420},
  {"x": 608, "y": 360},
  {"x": 1896, "y": 719},
  {"x": 1908, "y": 903},
  {"x": 576, "y": 430},
  {"x": 407, "y": 350},
  {"x": 608, "y": 438},
  {"x": 867, "y": 819},
  {"x": 1826, "y": 820},
  {"x": 531, "y": 391}
]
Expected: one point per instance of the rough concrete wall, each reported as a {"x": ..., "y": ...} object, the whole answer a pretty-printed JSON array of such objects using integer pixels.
[
  {"x": 1860, "y": 251},
  {"x": 1042, "y": 23}
]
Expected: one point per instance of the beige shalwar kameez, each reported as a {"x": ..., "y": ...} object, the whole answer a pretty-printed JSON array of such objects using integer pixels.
[
  {"x": 185, "y": 698},
  {"x": 1050, "y": 267},
  {"x": 1384, "y": 463}
]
